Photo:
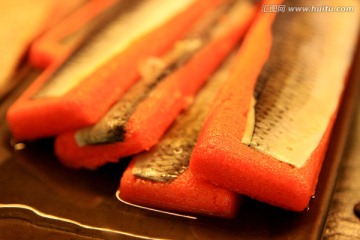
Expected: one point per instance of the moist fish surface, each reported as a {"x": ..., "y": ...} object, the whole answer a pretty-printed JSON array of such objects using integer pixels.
[
  {"x": 171, "y": 156},
  {"x": 112, "y": 127},
  {"x": 299, "y": 88}
]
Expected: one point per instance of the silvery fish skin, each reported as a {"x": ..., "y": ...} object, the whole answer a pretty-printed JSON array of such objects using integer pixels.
[
  {"x": 300, "y": 86},
  {"x": 108, "y": 42},
  {"x": 112, "y": 127},
  {"x": 168, "y": 159},
  {"x": 96, "y": 24}
]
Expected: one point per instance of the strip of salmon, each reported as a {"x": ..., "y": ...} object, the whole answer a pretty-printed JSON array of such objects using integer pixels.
[
  {"x": 159, "y": 178},
  {"x": 267, "y": 134},
  {"x": 79, "y": 91},
  {"x": 126, "y": 131},
  {"x": 68, "y": 34}
]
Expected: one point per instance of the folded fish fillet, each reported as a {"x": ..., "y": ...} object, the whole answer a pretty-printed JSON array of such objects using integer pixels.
[
  {"x": 159, "y": 178},
  {"x": 140, "y": 118},
  {"x": 78, "y": 90},
  {"x": 267, "y": 134}
]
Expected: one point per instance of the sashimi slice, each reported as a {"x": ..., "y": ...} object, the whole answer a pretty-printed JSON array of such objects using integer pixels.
[
  {"x": 77, "y": 93},
  {"x": 159, "y": 178},
  {"x": 186, "y": 193},
  {"x": 72, "y": 31},
  {"x": 145, "y": 123},
  {"x": 267, "y": 134}
]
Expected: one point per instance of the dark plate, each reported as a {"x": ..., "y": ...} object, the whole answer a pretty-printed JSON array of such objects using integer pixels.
[{"x": 40, "y": 197}]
